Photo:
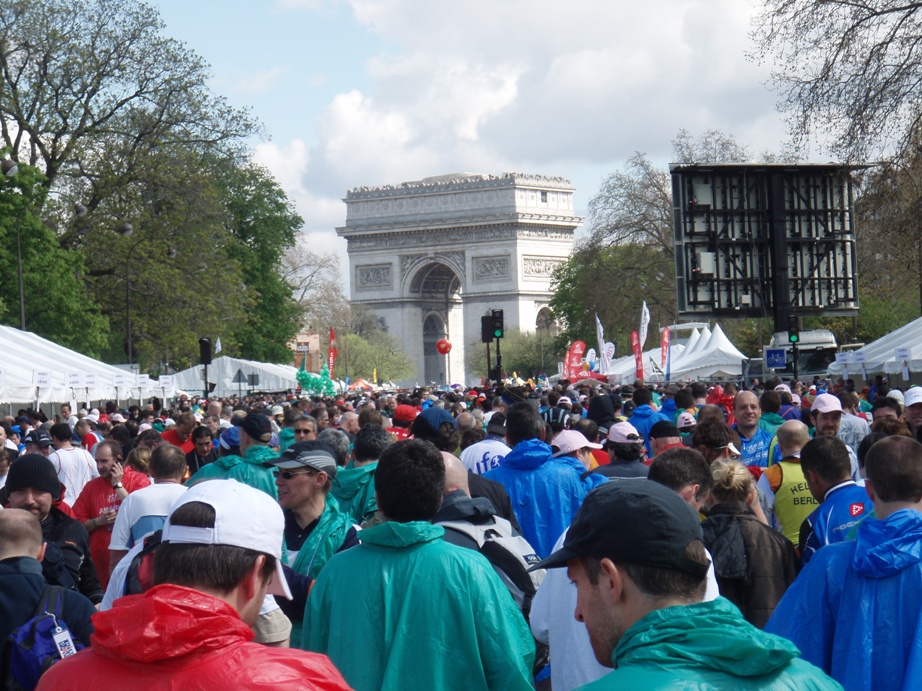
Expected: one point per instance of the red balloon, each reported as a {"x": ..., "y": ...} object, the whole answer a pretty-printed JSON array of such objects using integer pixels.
[{"x": 443, "y": 345}]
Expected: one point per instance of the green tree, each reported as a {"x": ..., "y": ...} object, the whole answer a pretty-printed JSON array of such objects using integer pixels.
[
  {"x": 526, "y": 354},
  {"x": 262, "y": 224},
  {"x": 360, "y": 356},
  {"x": 55, "y": 304}
]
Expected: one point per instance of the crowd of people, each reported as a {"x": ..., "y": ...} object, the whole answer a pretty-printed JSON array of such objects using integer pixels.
[{"x": 502, "y": 537}]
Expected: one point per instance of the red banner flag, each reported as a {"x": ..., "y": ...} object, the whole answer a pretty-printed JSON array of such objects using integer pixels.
[
  {"x": 664, "y": 347},
  {"x": 333, "y": 352},
  {"x": 638, "y": 355},
  {"x": 571, "y": 363}
]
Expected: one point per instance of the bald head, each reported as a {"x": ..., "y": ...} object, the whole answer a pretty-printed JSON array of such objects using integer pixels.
[
  {"x": 792, "y": 436},
  {"x": 465, "y": 421},
  {"x": 20, "y": 534},
  {"x": 455, "y": 474}
]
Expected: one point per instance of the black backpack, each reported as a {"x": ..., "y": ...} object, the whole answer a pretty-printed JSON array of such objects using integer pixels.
[{"x": 140, "y": 575}]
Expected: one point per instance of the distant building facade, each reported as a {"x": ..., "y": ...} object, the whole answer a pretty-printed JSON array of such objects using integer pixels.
[{"x": 432, "y": 256}]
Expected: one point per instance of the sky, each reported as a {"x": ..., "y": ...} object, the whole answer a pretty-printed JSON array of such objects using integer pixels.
[{"x": 370, "y": 92}]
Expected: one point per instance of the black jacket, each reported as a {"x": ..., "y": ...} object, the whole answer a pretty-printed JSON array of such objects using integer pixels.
[
  {"x": 195, "y": 462},
  {"x": 21, "y": 587},
  {"x": 457, "y": 506},
  {"x": 754, "y": 564},
  {"x": 496, "y": 493},
  {"x": 70, "y": 535}
]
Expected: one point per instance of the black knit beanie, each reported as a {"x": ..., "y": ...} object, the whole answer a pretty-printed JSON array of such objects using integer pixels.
[{"x": 35, "y": 471}]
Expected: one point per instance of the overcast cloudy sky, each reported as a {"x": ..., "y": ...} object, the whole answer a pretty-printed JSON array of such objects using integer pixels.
[{"x": 370, "y": 92}]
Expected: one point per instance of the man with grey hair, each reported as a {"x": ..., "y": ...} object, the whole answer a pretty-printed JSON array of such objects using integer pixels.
[{"x": 338, "y": 443}]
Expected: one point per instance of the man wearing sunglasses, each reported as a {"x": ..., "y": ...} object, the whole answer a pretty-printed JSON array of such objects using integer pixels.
[{"x": 315, "y": 527}]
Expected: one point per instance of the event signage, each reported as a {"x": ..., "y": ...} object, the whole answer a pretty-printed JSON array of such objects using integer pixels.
[{"x": 41, "y": 377}]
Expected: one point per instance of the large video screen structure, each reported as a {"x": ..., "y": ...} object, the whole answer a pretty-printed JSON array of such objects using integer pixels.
[{"x": 764, "y": 240}]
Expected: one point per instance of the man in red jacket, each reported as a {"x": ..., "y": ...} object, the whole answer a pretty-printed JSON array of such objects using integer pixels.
[{"x": 192, "y": 629}]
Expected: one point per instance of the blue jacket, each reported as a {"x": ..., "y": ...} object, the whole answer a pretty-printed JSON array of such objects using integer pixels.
[
  {"x": 545, "y": 493},
  {"x": 643, "y": 419},
  {"x": 754, "y": 450},
  {"x": 856, "y": 608},
  {"x": 21, "y": 587},
  {"x": 843, "y": 508}
]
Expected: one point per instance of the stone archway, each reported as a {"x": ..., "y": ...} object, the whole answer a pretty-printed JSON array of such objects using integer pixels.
[{"x": 436, "y": 289}]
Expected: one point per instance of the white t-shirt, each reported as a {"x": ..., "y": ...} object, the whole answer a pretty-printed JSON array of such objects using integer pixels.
[
  {"x": 143, "y": 512},
  {"x": 552, "y": 622},
  {"x": 484, "y": 456},
  {"x": 75, "y": 468}
]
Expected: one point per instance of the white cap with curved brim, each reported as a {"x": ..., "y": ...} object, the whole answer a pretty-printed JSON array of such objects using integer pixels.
[{"x": 244, "y": 517}]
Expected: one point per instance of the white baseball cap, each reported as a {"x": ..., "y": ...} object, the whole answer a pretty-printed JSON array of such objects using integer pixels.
[
  {"x": 570, "y": 440},
  {"x": 259, "y": 528},
  {"x": 826, "y": 403},
  {"x": 912, "y": 397}
]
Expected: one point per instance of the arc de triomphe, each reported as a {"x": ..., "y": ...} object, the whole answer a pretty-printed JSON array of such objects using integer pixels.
[{"x": 432, "y": 256}]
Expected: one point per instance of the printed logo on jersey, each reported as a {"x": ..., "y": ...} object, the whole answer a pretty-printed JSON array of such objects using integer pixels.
[{"x": 856, "y": 509}]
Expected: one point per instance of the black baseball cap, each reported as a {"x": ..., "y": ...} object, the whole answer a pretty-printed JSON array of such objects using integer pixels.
[
  {"x": 663, "y": 429},
  {"x": 637, "y": 522},
  {"x": 255, "y": 425},
  {"x": 39, "y": 437},
  {"x": 306, "y": 454}
]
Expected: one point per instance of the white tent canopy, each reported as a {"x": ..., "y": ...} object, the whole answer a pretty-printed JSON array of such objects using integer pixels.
[
  {"x": 624, "y": 370},
  {"x": 35, "y": 369},
  {"x": 717, "y": 357},
  {"x": 223, "y": 370},
  {"x": 880, "y": 355}
]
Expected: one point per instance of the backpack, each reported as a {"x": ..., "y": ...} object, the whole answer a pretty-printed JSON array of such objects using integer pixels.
[
  {"x": 38, "y": 644},
  {"x": 140, "y": 575},
  {"x": 510, "y": 555}
]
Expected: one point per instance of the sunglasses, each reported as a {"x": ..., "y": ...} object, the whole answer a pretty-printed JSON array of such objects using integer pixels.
[{"x": 288, "y": 474}]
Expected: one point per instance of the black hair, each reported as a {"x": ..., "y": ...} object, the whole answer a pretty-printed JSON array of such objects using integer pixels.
[
  {"x": 213, "y": 567},
  {"x": 827, "y": 457},
  {"x": 409, "y": 481},
  {"x": 370, "y": 442},
  {"x": 770, "y": 402},
  {"x": 680, "y": 467},
  {"x": 61, "y": 431},
  {"x": 200, "y": 432},
  {"x": 523, "y": 423},
  {"x": 642, "y": 396},
  {"x": 894, "y": 469},
  {"x": 886, "y": 402}
]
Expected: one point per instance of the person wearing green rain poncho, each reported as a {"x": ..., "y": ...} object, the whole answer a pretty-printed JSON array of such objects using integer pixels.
[
  {"x": 255, "y": 432},
  {"x": 354, "y": 485},
  {"x": 315, "y": 526},
  {"x": 407, "y": 610}
]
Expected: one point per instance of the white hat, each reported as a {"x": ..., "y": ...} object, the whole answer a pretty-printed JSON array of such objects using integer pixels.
[
  {"x": 686, "y": 421},
  {"x": 897, "y": 396},
  {"x": 259, "y": 528},
  {"x": 826, "y": 403},
  {"x": 912, "y": 397},
  {"x": 277, "y": 410},
  {"x": 570, "y": 440},
  {"x": 624, "y": 433},
  {"x": 783, "y": 387}
]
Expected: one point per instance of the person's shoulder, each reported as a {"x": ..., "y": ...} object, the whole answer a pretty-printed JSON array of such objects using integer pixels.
[{"x": 282, "y": 666}]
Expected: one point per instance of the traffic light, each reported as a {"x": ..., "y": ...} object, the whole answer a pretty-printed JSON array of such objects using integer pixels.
[
  {"x": 793, "y": 330},
  {"x": 486, "y": 329},
  {"x": 204, "y": 351},
  {"x": 497, "y": 321}
]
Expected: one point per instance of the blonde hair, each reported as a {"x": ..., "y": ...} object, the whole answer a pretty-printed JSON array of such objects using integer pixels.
[
  {"x": 732, "y": 481},
  {"x": 139, "y": 459}
]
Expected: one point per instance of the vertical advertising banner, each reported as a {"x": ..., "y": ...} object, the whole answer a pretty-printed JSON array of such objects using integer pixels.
[
  {"x": 333, "y": 352},
  {"x": 664, "y": 345},
  {"x": 574, "y": 359},
  {"x": 638, "y": 355}
]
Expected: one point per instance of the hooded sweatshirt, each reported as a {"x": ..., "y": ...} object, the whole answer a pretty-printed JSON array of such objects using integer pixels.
[
  {"x": 856, "y": 608},
  {"x": 354, "y": 489},
  {"x": 179, "y": 638},
  {"x": 249, "y": 470},
  {"x": 685, "y": 647},
  {"x": 545, "y": 494}
]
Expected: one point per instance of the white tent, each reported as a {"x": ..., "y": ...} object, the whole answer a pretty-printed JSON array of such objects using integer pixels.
[
  {"x": 880, "y": 355},
  {"x": 35, "y": 369},
  {"x": 693, "y": 348},
  {"x": 718, "y": 357},
  {"x": 624, "y": 370},
  {"x": 223, "y": 370}
]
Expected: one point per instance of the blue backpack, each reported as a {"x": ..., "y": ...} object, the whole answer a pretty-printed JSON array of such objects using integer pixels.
[{"x": 39, "y": 643}]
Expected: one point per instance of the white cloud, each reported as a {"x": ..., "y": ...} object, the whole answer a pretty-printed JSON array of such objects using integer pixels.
[{"x": 259, "y": 82}]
